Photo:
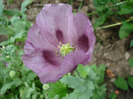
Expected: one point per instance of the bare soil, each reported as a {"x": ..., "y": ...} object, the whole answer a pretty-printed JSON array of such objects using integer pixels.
[{"x": 109, "y": 49}]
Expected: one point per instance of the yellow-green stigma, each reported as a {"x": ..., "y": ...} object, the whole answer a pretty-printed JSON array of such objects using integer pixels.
[{"x": 65, "y": 49}]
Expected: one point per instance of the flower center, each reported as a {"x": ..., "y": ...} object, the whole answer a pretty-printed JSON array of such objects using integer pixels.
[{"x": 65, "y": 49}]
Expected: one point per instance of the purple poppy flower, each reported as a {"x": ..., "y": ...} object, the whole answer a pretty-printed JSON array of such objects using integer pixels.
[{"x": 57, "y": 28}]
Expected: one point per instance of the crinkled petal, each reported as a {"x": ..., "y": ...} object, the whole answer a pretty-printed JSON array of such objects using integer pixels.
[
  {"x": 39, "y": 61},
  {"x": 54, "y": 21},
  {"x": 71, "y": 61},
  {"x": 34, "y": 61},
  {"x": 36, "y": 41},
  {"x": 39, "y": 53},
  {"x": 50, "y": 74},
  {"x": 84, "y": 37}
]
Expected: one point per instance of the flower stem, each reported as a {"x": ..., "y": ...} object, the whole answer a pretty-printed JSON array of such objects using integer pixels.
[
  {"x": 71, "y": 2},
  {"x": 91, "y": 13},
  {"x": 120, "y": 3},
  {"x": 80, "y": 5},
  {"x": 112, "y": 25}
]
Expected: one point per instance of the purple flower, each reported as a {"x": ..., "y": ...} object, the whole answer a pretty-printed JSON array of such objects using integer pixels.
[{"x": 55, "y": 27}]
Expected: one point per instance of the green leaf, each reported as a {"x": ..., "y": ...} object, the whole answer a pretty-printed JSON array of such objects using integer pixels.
[
  {"x": 31, "y": 76},
  {"x": 24, "y": 4},
  {"x": 74, "y": 82},
  {"x": 112, "y": 96},
  {"x": 125, "y": 30},
  {"x": 99, "y": 21},
  {"x": 99, "y": 4},
  {"x": 99, "y": 92},
  {"x": 10, "y": 1},
  {"x": 23, "y": 7},
  {"x": 34, "y": 96},
  {"x": 131, "y": 44},
  {"x": 130, "y": 61},
  {"x": 121, "y": 83},
  {"x": 80, "y": 95},
  {"x": 56, "y": 89},
  {"x": 82, "y": 70},
  {"x": 126, "y": 9},
  {"x": 4, "y": 30},
  {"x": 4, "y": 43},
  {"x": 130, "y": 81},
  {"x": 101, "y": 72},
  {"x": 18, "y": 37},
  {"x": 83, "y": 88},
  {"x": 26, "y": 94},
  {"x": 113, "y": 1},
  {"x": 1, "y": 7},
  {"x": 10, "y": 48},
  {"x": 73, "y": 95},
  {"x": 5, "y": 87},
  {"x": 2, "y": 72},
  {"x": 12, "y": 12}
]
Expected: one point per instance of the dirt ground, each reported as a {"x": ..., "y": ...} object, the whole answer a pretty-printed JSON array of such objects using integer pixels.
[{"x": 109, "y": 49}]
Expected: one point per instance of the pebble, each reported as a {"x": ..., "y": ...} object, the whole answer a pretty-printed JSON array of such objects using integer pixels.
[
  {"x": 112, "y": 80},
  {"x": 127, "y": 55}
]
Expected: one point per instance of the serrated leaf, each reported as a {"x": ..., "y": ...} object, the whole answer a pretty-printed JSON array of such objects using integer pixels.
[
  {"x": 131, "y": 44},
  {"x": 126, "y": 9},
  {"x": 17, "y": 37},
  {"x": 11, "y": 12},
  {"x": 99, "y": 21},
  {"x": 94, "y": 67},
  {"x": 130, "y": 81},
  {"x": 99, "y": 92},
  {"x": 31, "y": 76},
  {"x": 101, "y": 72},
  {"x": 125, "y": 30},
  {"x": 4, "y": 43},
  {"x": 112, "y": 96},
  {"x": 1, "y": 7},
  {"x": 34, "y": 96},
  {"x": 73, "y": 82},
  {"x": 121, "y": 83},
  {"x": 99, "y": 4},
  {"x": 82, "y": 95},
  {"x": 92, "y": 74},
  {"x": 130, "y": 61},
  {"x": 2, "y": 72},
  {"x": 56, "y": 89},
  {"x": 73, "y": 95},
  {"x": 24, "y": 94},
  {"x": 10, "y": 1},
  {"x": 4, "y": 30},
  {"x": 5, "y": 87},
  {"x": 113, "y": 1},
  {"x": 82, "y": 70},
  {"x": 23, "y": 7},
  {"x": 24, "y": 4},
  {"x": 82, "y": 88}
]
